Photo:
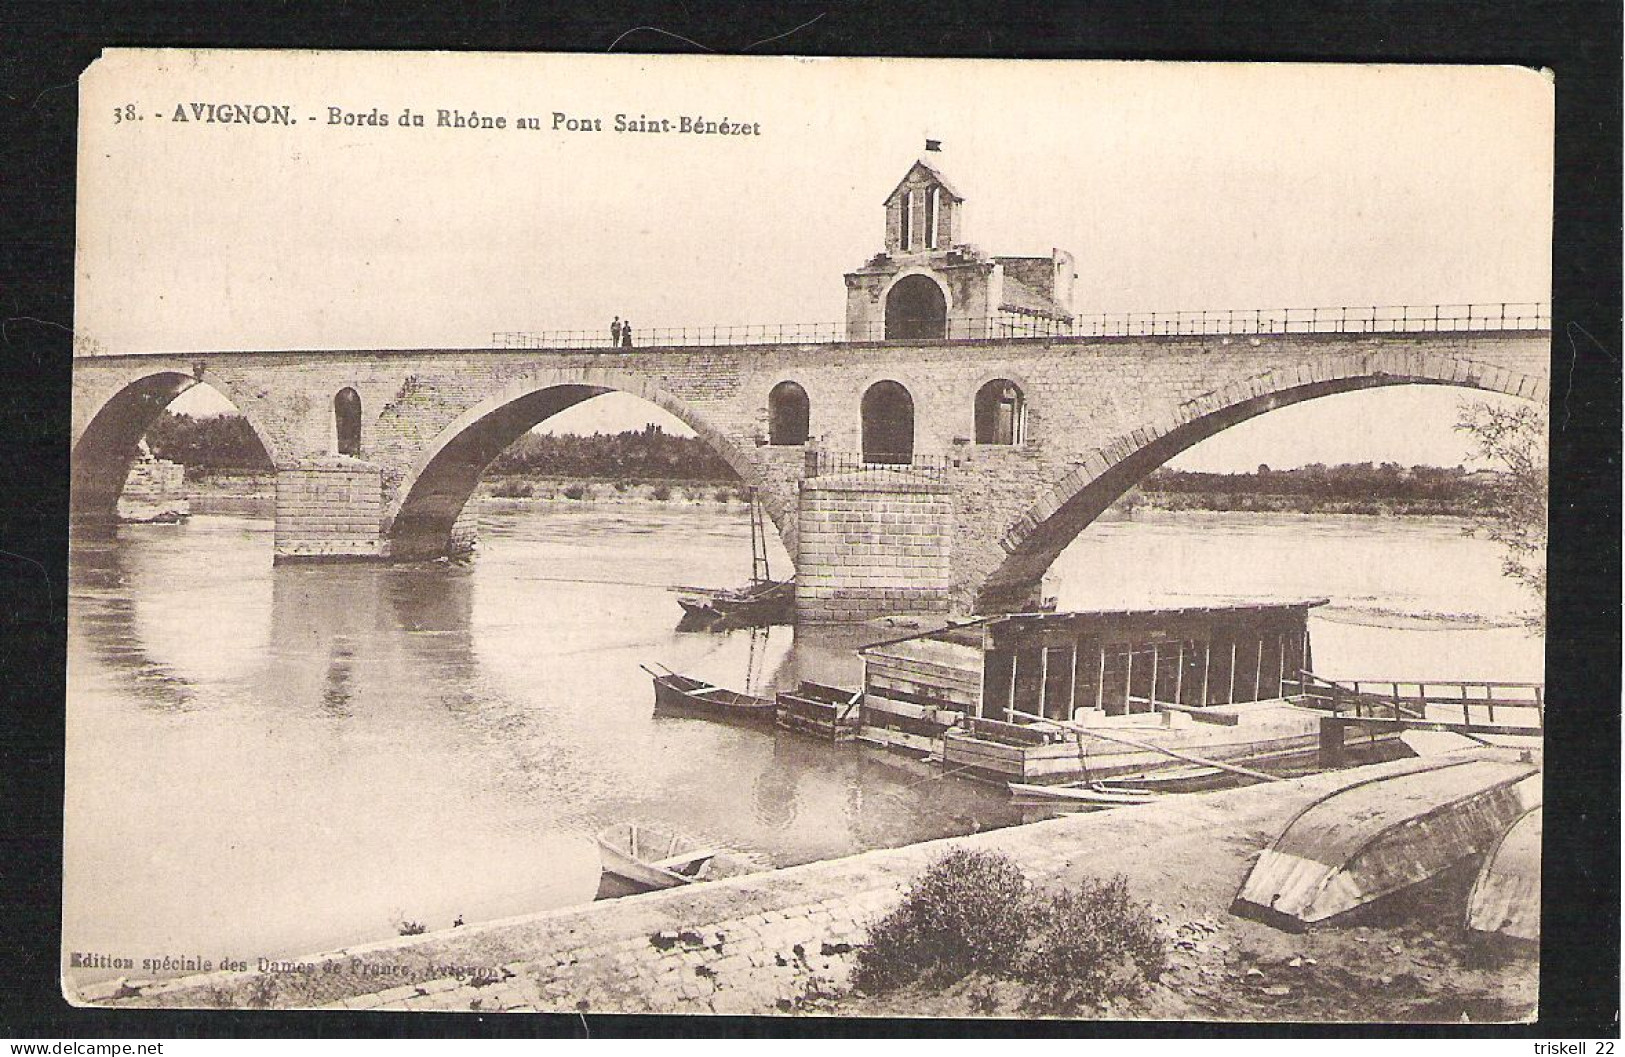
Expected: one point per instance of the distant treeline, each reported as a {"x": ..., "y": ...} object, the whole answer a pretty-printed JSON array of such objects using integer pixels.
[
  {"x": 649, "y": 453},
  {"x": 226, "y": 442},
  {"x": 1346, "y": 482},
  {"x": 213, "y": 442}
]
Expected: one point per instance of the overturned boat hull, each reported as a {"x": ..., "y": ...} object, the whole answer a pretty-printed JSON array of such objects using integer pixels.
[
  {"x": 1381, "y": 835},
  {"x": 1506, "y": 896}
]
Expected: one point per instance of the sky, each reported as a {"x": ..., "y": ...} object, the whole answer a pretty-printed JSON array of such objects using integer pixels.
[{"x": 1176, "y": 186}]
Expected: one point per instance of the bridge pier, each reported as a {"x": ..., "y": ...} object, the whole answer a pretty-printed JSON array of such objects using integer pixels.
[
  {"x": 873, "y": 542},
  {"x": 328, "y": 509}
]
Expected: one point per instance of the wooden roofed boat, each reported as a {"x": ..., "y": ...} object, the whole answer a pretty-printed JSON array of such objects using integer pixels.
[
  {"x": 1384, "y": 834},
  {"x": 1001, "y": 695},
  {"x": 685, "y": 695},
  {"x": 639, "y": 858}
]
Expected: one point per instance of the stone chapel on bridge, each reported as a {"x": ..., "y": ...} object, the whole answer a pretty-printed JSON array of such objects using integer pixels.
[{"x": 930, "y": 283}]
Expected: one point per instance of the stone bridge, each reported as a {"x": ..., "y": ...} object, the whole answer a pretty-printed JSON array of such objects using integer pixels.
[{"x": 901, "y": 475}]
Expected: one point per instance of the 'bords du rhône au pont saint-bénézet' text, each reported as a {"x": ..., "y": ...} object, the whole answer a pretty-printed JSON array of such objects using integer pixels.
[{"x": 375, "y": 117}]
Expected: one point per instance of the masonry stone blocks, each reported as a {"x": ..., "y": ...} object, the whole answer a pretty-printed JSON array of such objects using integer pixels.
[{"x": 1101, "y": 413}]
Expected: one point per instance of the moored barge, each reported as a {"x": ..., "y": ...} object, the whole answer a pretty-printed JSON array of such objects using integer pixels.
[{"x": 1040, "y": 698}]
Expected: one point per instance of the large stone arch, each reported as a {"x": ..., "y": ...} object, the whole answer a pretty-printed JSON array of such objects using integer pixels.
[
  {"x": 1034, "y": 540},
  {"x": 423, "y": 508},
  {"x": 107, "y": 445}
]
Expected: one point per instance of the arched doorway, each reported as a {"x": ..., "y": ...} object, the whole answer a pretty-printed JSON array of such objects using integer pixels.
[
  {"x": 1001, "y": 413},
  {"x": 916, "y": 308},
  {"x": 888, "y": 424},
  {"x": 347, "y": 421},
  {"x": 789, "y": 414}
]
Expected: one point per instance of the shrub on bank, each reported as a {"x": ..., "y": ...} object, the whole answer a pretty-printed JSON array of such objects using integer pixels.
[
  {"x": 508, "y": 488},
  {"x": 966, "y": 912},
  {"x": 973, "y": 912},
  {"x": 1089, "y": 943}
]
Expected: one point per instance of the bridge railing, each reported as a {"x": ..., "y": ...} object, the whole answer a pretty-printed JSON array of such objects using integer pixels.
[
  {"x": 1336, "y": 319},
  {"x": 1467, "y": 703},
  {"x": 879, "y": 466}
]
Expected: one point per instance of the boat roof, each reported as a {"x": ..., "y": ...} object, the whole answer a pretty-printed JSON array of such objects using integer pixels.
[{"x": 1071, "y": 616}]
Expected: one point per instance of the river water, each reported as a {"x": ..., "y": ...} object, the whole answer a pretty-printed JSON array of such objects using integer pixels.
[{"x": 268, "y": 761}]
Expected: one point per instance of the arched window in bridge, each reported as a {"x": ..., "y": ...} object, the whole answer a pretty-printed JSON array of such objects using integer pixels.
[
  {"x": 888, "y": 424},
  {"x": 1001, "y": 413},
  {"x": 916, "y": 308},
  {"x": 788, "y": 414},
  {"x": 347, "y": 421}
]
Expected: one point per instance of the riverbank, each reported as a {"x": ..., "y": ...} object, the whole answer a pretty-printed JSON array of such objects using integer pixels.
[
  {"x": 233, "y": 493},
  {"x": 1265, "y": 503},
  {"x": 255, "y": 494},
  {"x": 783, "y": 941}
]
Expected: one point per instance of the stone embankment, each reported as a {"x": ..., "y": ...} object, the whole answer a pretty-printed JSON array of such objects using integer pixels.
[{"x": 783, "y": 941}]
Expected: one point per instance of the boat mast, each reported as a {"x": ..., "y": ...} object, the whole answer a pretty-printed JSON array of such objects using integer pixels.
[{"x": 759, "y": 570}]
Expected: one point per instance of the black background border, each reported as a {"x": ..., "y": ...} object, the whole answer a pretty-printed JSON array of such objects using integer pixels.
[{"x": 44, "y": 47}]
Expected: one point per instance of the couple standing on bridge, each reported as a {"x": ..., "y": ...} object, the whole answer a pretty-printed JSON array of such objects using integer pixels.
[{"x": 620, "y": 334}]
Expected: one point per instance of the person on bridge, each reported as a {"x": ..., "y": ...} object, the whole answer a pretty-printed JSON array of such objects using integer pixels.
[
  {"x": 615, "y": 332},
  {"x": 626, "y": 334}
]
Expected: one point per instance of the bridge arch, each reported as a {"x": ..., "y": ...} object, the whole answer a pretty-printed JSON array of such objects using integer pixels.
[
  {"x": 1035, "y": 539},
  {"x": 424, "y": 507},
  {"x": 104, "y": 451}
]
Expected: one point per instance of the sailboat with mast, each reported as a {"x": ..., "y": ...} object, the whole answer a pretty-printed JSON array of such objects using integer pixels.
[{"x": 760, "y": 602}]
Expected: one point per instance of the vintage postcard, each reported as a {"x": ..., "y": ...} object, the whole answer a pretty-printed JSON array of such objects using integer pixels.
[{"x": 619, "y": 534}]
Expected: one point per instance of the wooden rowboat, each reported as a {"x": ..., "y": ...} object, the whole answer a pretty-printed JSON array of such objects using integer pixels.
[
  {"x": 1094, "y": 795},
  {"x": 647, "y": 859},
  {"x": 685, "y": 695}
]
